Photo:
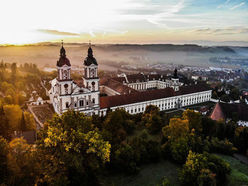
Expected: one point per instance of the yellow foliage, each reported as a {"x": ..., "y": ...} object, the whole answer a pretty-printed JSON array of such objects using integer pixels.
[
  {"x": 13, "y": 114},
  {"x": 177, "y": 128}
]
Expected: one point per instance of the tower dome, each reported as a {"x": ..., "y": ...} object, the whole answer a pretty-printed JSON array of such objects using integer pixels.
[
  {"x": 90, "y": 58},
  {"x": 63, "y": 60}
]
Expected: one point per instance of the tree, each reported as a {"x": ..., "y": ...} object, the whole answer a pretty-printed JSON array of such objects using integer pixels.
[
  {"x": 152, "y": 120},
  {"x": 202, "y": 169},
  {"x": 206, "y": 178},
  {"x": 240, "y": 139},
  {"x": 4, "y": 150},
  {"x": 177, "y": 128},
  {"x": 29, "y": 121},
  {"x": 177, "y": 135},
  {"x": 225, "y": 98},
  {"x": 4, "y": 125},
  {"x": 195, "y": 120},
  {"x": 73, "y": 150},
  {"x": 22, "y": 163},
  {"x": 13, "y": 114},
  {"x": 116, "y": 126},
  {"x": 23, "y": 126},
  {"x": 234, "y": 94},
  {"x": 13, "y": 72}
]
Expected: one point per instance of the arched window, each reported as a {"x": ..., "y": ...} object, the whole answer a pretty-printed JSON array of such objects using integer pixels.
[
  {"x": 81, "y": 103},
  {"x": 93, "y": 100},
  {"x": 65, "y": 74},
  {"x": 93, "y": 85},
  {"x": 67, "y": 104},
  {"x": 66, "y": 88}
]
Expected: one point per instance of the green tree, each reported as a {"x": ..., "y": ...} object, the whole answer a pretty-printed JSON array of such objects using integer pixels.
[
  {"x": 116, "y": 126},
  {"x": 152, "y": 120},
  {"x": 195, "y": 120}
]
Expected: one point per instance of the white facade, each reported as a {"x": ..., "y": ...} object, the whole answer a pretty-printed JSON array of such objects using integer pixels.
[
  {"x": 164, "y": 103},
  {"x": 152, "y": 82},
  {"x": 82, "y": 96}
]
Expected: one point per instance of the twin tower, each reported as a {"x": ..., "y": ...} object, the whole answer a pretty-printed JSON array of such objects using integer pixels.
[{"x": 82, "y": 95}]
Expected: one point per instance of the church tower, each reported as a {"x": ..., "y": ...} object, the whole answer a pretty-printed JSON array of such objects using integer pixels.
[
  {"x": 175, "y": 81},
  {"x": 64, "y": 73},
  {"x": 91, "y": 79}
]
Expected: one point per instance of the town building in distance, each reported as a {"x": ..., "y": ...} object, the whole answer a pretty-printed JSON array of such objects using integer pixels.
[{"x": 129, "y": 92}]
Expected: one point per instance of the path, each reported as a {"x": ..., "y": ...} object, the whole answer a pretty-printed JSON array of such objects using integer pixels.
[{"x": 242, "y": 158}]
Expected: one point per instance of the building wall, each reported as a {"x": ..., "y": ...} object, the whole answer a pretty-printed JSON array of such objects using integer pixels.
[
  {"x": 165, "y": 103},
  {"x": 174, "y": 83}
]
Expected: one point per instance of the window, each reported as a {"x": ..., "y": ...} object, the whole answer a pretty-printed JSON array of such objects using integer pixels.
[
  {"x": 93, "y": 100},
  {"x": 75, "y": 105},
  {"x": 81, "y": 103},
  {"x": 67, "y": 104},
  {"x": 93, "y": 85}
]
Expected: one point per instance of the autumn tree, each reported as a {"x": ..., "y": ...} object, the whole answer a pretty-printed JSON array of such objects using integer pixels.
[
  {"x": 177, "y": 135},
  {"x": 195, "y": 120},
  {"x": 202, "y": 169},
  {"x": 22, "y": 163},
  {"x": 4, "y": 125},
  {"x": 4, "y": 150},
  {"x": 71, "y": 149}
]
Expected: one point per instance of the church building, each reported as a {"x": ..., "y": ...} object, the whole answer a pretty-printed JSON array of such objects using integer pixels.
[{"x": 129, "y": 92}]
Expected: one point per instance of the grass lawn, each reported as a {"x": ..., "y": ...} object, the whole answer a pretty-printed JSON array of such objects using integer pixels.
[
  {"x": 149, "y": 175},
  {"x": 239, "y": 171}
]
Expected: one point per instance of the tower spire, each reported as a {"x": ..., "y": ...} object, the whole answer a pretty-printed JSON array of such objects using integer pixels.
[
  {"x": 90, "y": 51},
  {"x": 62, "y": 50}
]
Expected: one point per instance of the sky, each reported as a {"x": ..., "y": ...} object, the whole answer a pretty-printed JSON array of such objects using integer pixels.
[{"x": 123, "y": 21}]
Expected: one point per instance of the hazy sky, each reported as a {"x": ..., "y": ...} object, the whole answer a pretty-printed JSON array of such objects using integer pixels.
[{"x": 123, "y": 21}]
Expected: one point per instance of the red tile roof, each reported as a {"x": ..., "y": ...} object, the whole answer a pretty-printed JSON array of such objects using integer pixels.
[
  {"x": 226, "y": 110},
  {"x": 117, "y": 86},
  {"x": 111, "y": 101},
  {"x": 217, "y": 113}
]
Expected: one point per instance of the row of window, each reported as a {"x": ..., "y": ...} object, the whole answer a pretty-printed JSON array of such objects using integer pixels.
[
  {"x": 81, "y": 103},
  {"x": 171, "y": 104}
]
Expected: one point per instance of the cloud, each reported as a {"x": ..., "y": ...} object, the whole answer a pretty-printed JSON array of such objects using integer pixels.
[
  {"x": 222, "y": 5},
  {"x": 223, "y": 31},
  {"x": 237, "y": 6},
  {"x": 56, "y": 32},
  {"x": 168, "y": 12}
]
